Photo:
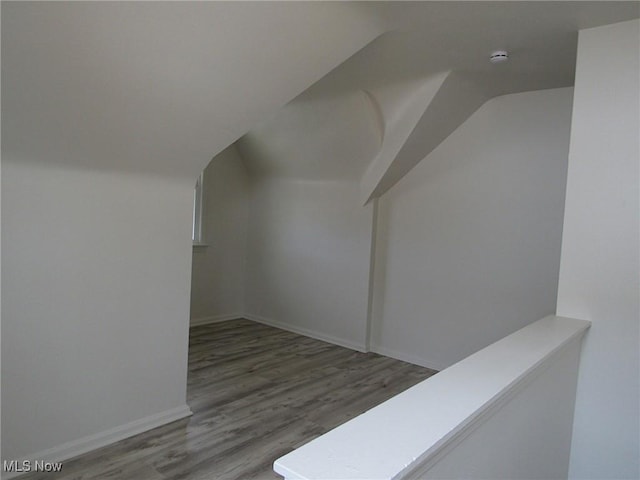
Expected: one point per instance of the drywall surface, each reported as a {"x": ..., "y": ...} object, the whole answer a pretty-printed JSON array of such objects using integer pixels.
[
  {"x": 316, "y": 136},
  {"x": 95, "y": 299},
  {"x": 110, "y": 110},
  {"x": 599, "y": 270},
  {"x": 162, "y": 86},
  {"x": 525, "y": 438},
  {"x": 325, "y": 133},
  {"x": 487, "y": 417},
  {"x": 468, "y": 243},
  {"x": 217, "y": 279},
  {"x": 308, "y": 258}
]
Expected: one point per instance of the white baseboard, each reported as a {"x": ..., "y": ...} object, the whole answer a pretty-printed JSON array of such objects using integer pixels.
[
  {"x": 214, "y": 319},
  {"x": 86, "y": 444},
  {"x": 405, "y": 357},
  {"x": 360, "y": 347},
  {"x": 307, "y": 332}
]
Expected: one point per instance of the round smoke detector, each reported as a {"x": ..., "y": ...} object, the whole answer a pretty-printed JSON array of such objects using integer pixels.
[{"x": 499, "y": 56}]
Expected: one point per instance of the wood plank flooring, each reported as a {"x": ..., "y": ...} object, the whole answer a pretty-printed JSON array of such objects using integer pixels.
[{"x": 256, "y": 393}]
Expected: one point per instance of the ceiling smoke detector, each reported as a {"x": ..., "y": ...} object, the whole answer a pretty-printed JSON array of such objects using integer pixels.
[{"x": 499, "y": 56}]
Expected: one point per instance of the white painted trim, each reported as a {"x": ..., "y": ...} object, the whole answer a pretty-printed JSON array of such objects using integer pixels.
[
  {"x": 423, "y": 421},
  {"x": 307, "y": 332},
  {"x": 86, "y": 444},
  {"x": 405, "y": 357},
  {"x": 198, "y": 204},
  {"x": 215, "y": 319},
  {"x": 371, "y": 288},
  {"x": 429, "y": 459}
]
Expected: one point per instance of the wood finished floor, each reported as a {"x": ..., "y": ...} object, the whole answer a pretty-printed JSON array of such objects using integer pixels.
[{"x": 256, "y": 393}]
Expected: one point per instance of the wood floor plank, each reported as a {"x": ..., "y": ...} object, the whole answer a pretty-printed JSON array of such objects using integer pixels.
[{"x": 257, "y": 393}]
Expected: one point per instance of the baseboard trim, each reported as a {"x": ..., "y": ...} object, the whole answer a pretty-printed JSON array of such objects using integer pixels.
[
  {"x": 214, "y": 319},
  {"x": 404, "y": 357},
  {"x": 86, "y": 444},
  {"x": 307, "y": 332}
]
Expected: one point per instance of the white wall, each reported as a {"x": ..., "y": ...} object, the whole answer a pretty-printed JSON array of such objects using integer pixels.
[
  {"x": 109, "y": 112},
  {"x": 469, "y": 241},
  {"x": 483, "y": 418},
  {"x": 599, "y": 269},
  {"x": 522, "y": 438},
  {"x": 308, "y": 258},
  {"x": 95, "y": 270},
  {"x": 217, "y": 279}
]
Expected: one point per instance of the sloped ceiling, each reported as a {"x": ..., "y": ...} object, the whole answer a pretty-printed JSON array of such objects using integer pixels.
[
  {"x": 328, "y": 130},
  {"x": 427, "y": 75},
  {"x": 162, "y": 87}
]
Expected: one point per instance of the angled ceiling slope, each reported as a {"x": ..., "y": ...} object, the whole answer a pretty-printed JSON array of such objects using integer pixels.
[
  {"x": 160, "y": 87},
  {"x": 424, "y": 78}
]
